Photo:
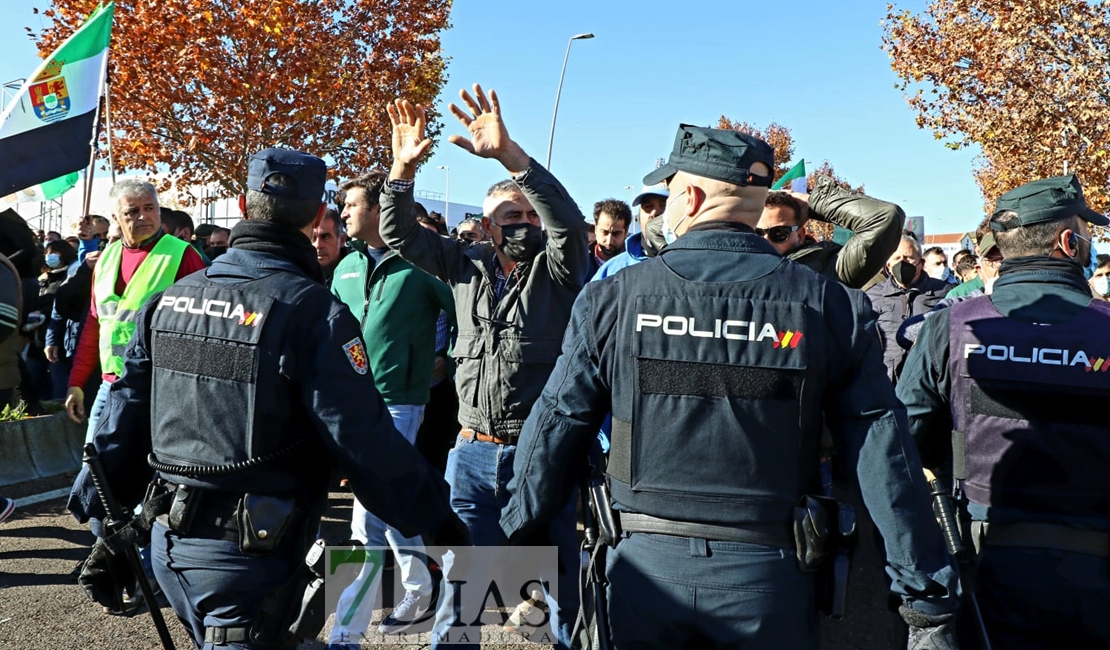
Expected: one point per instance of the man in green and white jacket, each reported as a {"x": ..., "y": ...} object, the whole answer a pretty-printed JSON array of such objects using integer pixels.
[{"x": 397, "y": 305}]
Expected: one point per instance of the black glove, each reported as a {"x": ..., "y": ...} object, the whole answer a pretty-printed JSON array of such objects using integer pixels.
[
  {"x": 105, "y": 576},
  {"x": 929, "y": 632}
]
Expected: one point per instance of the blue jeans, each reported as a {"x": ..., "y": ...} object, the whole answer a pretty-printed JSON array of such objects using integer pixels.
[
  {"x": 679, "y": 592},
  {"x": 209, "y": 583},
  {"x": 479, "y": 473}
]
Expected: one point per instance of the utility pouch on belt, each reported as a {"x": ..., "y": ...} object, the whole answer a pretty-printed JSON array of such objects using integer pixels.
[
  {"x": 183, "y": 509},
  {"x": 295, "y": 610},
  {"x": 263, "y": 520},
  {"x": 815, "y": 523}
]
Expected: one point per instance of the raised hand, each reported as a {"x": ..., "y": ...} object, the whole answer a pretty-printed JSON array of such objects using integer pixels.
[
  {"x": 488, "y": 136},
  {"x": 409, "y": 143}
]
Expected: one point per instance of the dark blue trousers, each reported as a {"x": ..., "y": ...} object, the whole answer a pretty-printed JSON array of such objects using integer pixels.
[
  {"x": 679, "y": 592},
  {"x": 1043, "y": 598},
  {"x": 209, "y": 583}
]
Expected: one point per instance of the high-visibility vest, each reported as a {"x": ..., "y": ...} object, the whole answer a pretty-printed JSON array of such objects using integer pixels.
[{"x": 118, "y": 314}]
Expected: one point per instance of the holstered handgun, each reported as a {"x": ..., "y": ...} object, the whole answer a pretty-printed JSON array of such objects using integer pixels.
[{"x": 825, "y": 537}]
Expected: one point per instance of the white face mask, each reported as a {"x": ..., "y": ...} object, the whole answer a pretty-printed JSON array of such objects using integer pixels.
[
  {"x": 941, "y": 274},
  {"x": 988, "y": 285},
  {"x": 1101, "y": 285}
]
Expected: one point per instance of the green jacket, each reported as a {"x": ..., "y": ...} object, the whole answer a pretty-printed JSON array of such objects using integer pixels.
[{"x": 397, "y": 305}]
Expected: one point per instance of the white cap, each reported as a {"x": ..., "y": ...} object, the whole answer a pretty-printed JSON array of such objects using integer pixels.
[{"x": 657, "y": 190}]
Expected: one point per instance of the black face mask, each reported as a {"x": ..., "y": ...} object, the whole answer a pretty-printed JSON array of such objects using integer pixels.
[
  {"x": 215, "y": 251},
  {"x": 904, "y": 273},
  {"x": 521, "y": 242}
]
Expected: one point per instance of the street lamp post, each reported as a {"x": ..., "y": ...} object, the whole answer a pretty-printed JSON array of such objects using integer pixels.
[
  {"x": 447, "y": 194},
  {"x": 555, "y": 115}
]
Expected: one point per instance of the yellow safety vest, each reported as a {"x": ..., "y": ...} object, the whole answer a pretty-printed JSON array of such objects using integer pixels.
[{"x": 119, "y": 315}]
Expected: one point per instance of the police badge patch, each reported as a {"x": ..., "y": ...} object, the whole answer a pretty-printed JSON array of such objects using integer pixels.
[{"x": 356, "y": 354}]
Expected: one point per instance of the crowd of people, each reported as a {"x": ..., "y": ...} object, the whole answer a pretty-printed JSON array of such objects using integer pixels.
[{"x": 719, "y": 367}]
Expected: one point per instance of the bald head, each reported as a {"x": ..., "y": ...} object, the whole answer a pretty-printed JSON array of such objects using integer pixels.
[{"x": 697, "y": 199}]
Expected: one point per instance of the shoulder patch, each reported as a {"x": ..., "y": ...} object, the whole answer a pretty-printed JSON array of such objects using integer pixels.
[{"x": 356, "y": 354}]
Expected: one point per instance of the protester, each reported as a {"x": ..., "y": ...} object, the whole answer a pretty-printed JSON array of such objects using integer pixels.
[
  {"x": 398, "y": 306},
  {"x": 1100, "y": 281},
  {"x": 875, "y": 225},
  {"x": 906, "y": 292},
  {"x": 612, "y": 219},
  {"x": 217, "y": 243},
  {"x": 966, "y": 267},
  {"x": 471, "y": 230},
  {"x": 145, "y": 261},
  {"x": 179, "y": 224},
  {"x": 651, "y": 202},
  {"x": 513, "y": 298},
  {"x": 60, "y": 257},
  {"x": 330, "y": 241},
  {"x": 936, "y": 265},
  {"x": 1004, "y": 392}
]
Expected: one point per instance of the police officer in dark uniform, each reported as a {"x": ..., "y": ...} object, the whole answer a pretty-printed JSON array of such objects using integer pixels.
[
  {"x": 719, "y": 361},
  {"x": 1009, "y": 389},
  {"x": 243, "y": 385}
]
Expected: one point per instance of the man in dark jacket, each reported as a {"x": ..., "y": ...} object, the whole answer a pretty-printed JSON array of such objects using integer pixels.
[
  {"x": 513, "y": 297},
  {"x": 908, "y": 291},
  {"x": 876, "y": 225}
]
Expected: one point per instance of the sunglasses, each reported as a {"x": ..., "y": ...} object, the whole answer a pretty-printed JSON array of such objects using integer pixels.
[{"x": 777, "y": 234}]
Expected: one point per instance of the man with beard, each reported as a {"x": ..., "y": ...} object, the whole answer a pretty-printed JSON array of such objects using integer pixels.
[
  {"x": 612, "y": 219},
  {"x": 651, "y": 201},
  {"x": 513, "y": 297},
  {"x": 1004, "y": 390}
]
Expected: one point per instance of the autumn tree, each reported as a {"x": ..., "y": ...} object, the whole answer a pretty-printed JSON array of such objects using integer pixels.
[
  {"x": 1026, "y": 81},
  {"x": 782, "y": 141},
  {"x": 197, "y": 86}
]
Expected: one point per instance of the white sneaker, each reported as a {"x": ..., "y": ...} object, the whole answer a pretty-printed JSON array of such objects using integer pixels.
[
  {"x": 520, "y": 618},
  {"x": 409, "y": 610}
]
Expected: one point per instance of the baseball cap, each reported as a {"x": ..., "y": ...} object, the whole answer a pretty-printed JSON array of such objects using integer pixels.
[
  {"x": 721, "y": 154},
  {"x": 648, "y": 190},
  {"x": 986, "y": 243},
  {"x": 1049, "y": 199},
  {"x": 307, "y": 172}
]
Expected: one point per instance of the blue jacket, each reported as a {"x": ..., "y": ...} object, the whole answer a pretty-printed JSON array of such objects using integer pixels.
[{"x": 867, "y": 421}]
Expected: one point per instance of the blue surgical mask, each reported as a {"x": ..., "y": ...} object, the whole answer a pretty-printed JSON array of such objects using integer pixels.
[
  {"x": 53, "y": 260},
  {"x": 1092, "y": 266}
]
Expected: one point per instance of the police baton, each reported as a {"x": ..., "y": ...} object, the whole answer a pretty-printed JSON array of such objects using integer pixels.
[
  {"x": 117, "y": 520},
  {"x": 949, "y": 526}
]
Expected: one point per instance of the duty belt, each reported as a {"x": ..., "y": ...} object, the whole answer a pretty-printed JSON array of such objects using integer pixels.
[
  {"x": 226, "y": 635},
  {"x": 471, "y": 434},
  {"x": 1038, "y": 535},
  {"x": 765, "y": 534}
]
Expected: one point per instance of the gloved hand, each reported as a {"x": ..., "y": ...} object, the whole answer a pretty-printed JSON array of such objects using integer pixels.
[
  {"x": 105, "y": 576},
  {"x": 930, "y": 632}
]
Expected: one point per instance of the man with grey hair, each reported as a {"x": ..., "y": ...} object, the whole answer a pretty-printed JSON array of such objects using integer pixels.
[
  {"x": 143, "y": 262},
  {"x": 907, "y": 291}
]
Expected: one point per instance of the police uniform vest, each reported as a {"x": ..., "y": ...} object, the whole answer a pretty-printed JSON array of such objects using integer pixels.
[
  {"x": 716, "y": 411},
  {"x": 1027, "y": 409},
  {"x": 223, "y": 414},
  {"x": 118, "y": 314}
]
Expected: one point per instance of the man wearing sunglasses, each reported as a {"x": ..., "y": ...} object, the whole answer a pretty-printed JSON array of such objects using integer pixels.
[
  {"x": 720, "y": 361},
  {"x": 876, "y": 225}
]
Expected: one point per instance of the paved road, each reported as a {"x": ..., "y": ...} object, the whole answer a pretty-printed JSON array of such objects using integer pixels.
[{"x": 42, "y": 608}]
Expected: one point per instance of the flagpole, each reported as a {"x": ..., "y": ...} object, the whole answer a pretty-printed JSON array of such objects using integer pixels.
[
  {"x": 96, "y": 140},
  {"x": 108, "y": 127}
]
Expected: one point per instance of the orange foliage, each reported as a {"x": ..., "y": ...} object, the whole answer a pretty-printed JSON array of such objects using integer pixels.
[{"x": 197, "y": 86}]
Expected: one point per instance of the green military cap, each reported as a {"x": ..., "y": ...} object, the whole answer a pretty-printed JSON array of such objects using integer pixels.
[
  {"x": 720, "y": 154},
  {"x": 1049, "y": 199},
  {"x": 986, "y": 243}
]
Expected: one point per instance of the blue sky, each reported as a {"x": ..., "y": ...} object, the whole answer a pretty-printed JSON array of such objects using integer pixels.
[{"x": 815, "y": 67}]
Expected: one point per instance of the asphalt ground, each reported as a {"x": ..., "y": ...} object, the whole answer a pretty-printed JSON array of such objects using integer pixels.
[{"x": 41, "y": 606}]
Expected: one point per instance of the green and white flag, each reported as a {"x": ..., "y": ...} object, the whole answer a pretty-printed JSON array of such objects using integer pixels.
[
  {"x": 47, "y": 130},
  {"x": 796, "y": 177},
  {"x": 44, "y": 191}
]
